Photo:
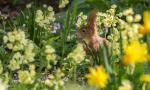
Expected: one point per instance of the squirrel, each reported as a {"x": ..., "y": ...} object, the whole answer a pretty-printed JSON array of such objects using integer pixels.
[{"x": 89, "y": 34}]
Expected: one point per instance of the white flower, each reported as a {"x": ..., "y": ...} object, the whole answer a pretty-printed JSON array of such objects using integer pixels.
[
  {"x": 50, "y": 53},
  {"x": 129, "y": 18},
  {"x": 5, "y": 39},
  {"x": 44, "y": 5},
  {"x": 114, "y": 6},
  {"x": 28, "y": 5},
  {"x": 126, "y": 85},
  {"x": 3, "y": 86},
  {"x": 1, "y": 67},
  {"x": 9, "y": 45},
  {"x": 50, "y": 8},
  {"x": 15, "y": 40},
  {"x": 49, "y": 49},
  {"x": 44, "y": 20},
  {"x": 63, "y": 3},
  {"x": 128, "y": 12},
  {"x": 14, "y": 65},
  {"x": 11, "y": 38},
  {"x": 29, "y": 53},
  {"x": 137, "y": 18}
]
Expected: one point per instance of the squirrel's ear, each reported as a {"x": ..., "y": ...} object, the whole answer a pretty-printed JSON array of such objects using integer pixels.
[{"x": 92, "y": 19}]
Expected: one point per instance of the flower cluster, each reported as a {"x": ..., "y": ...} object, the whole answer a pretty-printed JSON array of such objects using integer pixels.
[
  {"x": 24, "y": 48},
  {"x": 50, "y": 54},
  {"x": 77, "y": 55},
  {"x": 63, "y": 3},
  {"x": 15, "y": 62},
  {"x": 15, "y": 40},
  {"x": 29, "y": 52},
  {"x": 55, "y": 79},
  {"x": 45, "y": 19},
  {"x": 114, "y": 38},
  {"x": 109, "y": 18},
  {"x": 25, "y": 76}
]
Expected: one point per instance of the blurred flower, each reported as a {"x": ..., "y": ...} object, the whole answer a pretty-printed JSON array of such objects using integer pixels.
[
  {"x": 28, "y": 5},
  {"x": 126, "y": 85},
  {"x": 98, "y": 77},
  {"x": 135, "y": 53},
  {"x": 146, "y": 27},
  {"x": 32, "y": 70},
  {"x": 44, "y": 5},
  {"x": 25, "y": 77},
  {"x": 15, "y": 62},
  {"x": 29, "y": 53},
  {"x": 55, "y": 80},
  {"x": 113, "y": 6},
  {"x": 3, "y": 86},
  {"x": 15, "y": 40},
  {"x": 1, "y": 68},
  {"x": 78, "y": 54},
  {"x": 128, "y": 12},
  {"x": 50, "y": 53},
  {"x": 63, "y": 3},
  {"x": 145, "y": 78},
  {"x": 45, "y": 20},
  {"x": 56, "y": 28},
  {"x": 114, "y": 38},
  {"x": 137, "y": 18},
  {"x": 129, "y": 19}
]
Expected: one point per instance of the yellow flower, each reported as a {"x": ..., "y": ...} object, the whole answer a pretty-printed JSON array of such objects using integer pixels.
[
  {"x": 145, "y": 78},
  {"x": 98, "y": 77},
  {"x": 125, "y": 85},
  {"x": 146, "y": 20},
  {"x": 135, "y": 53}
]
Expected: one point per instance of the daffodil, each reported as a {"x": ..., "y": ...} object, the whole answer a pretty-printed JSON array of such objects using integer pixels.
[
  {"x": 135, "y": 53},
  {"x": 145, "y": 78},
  {"x": 98, "y": 77},
  {"x": 146, "y": 19}
]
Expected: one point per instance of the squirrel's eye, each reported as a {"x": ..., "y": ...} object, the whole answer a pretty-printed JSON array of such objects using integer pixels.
[{"x": 83, "y": 30}]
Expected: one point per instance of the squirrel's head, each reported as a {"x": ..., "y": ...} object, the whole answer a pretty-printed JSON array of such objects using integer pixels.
[{"x": 90, "y": 28}]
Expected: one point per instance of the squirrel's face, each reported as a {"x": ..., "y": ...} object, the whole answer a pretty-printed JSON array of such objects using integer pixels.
[{"x": 85, "y": 32}]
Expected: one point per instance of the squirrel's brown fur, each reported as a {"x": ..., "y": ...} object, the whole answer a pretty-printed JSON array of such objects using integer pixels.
[{"x": 88, "y": 33}]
